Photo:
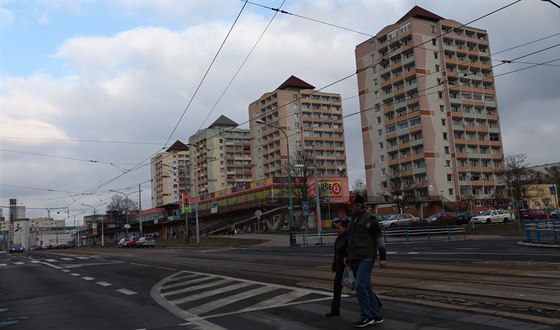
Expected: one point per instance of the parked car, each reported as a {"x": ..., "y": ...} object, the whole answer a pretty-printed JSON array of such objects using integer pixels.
[
  {"x": 132, "y": 242},
  {"x": 403, "y": 219},
  {"x": 443, "y": 218},
  {"x": 463, "y": 218},
  {"x": 123, "y": 242},
  {"x": 491, "y": 216},
  {"x": 534, "y": 214},
  {"x": 16, "y": 247},
  {"x": 146, "y": 242}
]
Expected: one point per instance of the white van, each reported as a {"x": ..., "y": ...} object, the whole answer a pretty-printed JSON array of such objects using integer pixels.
[{"x": 491, "y": 216}]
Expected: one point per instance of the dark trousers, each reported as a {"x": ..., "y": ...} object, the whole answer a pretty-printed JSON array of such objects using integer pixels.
[{"x": 337, "y": 290}]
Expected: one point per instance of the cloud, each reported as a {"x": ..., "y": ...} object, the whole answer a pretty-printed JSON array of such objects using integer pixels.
[
  {"x": 7, "y": 17},
  {"x": 130, "y": 85}
]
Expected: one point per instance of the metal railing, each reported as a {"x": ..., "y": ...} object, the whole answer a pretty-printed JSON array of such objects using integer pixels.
[
  {"x": 542, "y": 231},
  {"x": 392, "y": 235},
  {"x": 427, "y": 233}
]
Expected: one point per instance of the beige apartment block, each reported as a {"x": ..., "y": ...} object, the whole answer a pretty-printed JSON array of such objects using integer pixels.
[
  {"x": 221, "y": 157},
  {"x": 310, "y": 126},
  {"x": 429, "y": 112},
  {"x": 170, "y": 175}
]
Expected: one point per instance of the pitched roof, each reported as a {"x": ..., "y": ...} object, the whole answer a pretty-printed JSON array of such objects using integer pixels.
[
  {"x": 295, "y": 82},
  {"x": 224, "y": 121},
  {"x": 421, "y": 13},
  {"x": 178, "y": 146}
]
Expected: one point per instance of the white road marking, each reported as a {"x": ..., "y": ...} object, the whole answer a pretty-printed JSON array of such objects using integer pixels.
[
  {"x": 35, "y": 261},
  {"x": 3, "y": 264},
  {"x": 66, "y": 270},
  {"x": 67, "y": 259},
  {"x": 135, "y": 264},
  {"x": 127, "y": 292},
  {"x": 200, "y": 309},
  {"x": 82, "y": 258},
  {"x": 51, "y": 260},
  {"x": 210, "y": 293},
  {"x": 104, "y": 283},
  {"x": 165, "y": 268},
  {"x": 196, "y": 287},
  {"x": 87, "y": 278},
  {"x": 18, "y": 263},
  {"x": 185, "y": 281},
  {"x": 75, "y": 274}
]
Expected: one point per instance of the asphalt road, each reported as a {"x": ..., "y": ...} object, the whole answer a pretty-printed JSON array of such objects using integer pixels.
[{"x": 197, "y": 288}]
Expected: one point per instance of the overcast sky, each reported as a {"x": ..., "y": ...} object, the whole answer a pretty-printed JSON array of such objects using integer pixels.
[{"x": 90, "y": 90}]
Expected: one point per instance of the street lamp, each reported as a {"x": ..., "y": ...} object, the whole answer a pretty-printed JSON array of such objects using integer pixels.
[
  {"x": 291, "y": 205},
  {"x": 125, "y": 207},
  {"x": 102, "y": 221}
]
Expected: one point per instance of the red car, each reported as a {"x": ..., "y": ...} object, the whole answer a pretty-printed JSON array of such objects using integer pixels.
[
  {"x": 534, "y": 214},
  {"x": 447, "y": 218},
  {"x": 133, "y": 242}
]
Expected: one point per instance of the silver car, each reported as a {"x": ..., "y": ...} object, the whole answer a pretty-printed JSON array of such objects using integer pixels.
[
  {"x": 146, "y": 242},
  {"x": 491, "y": 216},
  {"x": 403, "y": 219}
]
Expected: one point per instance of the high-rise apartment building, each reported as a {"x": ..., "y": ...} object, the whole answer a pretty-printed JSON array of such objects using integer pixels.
[
  {"x": 310, "y": 126},
  {"x": 170, "y": 175},
  {"x": 428, "y": 111},
  {"x": 221, "y": 157}
]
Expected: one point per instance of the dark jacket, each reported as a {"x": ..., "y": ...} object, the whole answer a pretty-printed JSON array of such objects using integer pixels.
[
  {"x": 340, "y": 251},
  {"x": 365, "y": 238}
]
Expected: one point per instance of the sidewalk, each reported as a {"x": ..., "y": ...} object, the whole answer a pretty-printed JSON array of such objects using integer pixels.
[{"x": 272, "y": 239}]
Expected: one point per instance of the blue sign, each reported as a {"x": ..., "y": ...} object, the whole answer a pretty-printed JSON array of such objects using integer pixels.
[{"x": 305, "y": 208}]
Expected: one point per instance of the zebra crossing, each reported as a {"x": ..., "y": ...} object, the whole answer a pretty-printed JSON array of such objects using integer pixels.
[
  {"x": 66, "y": 262},
  {"x": 196, "y": 296}
]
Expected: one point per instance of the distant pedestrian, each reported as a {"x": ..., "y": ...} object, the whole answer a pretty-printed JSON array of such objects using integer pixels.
[
  {"x": 337, "y": 267},
  {"x": 364, "y": 242}
]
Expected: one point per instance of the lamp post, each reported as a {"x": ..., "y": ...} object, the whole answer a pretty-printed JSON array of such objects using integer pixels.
[
  {"x": 292, "y": 237},
  {"x": 102, "y": 221},
  {"x": 125, "y": 207}
]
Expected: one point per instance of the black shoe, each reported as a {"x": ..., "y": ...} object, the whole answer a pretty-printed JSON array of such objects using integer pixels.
[
  {"x": 364, "y": 322},
  {"x": 331, "y": 314},
  {"x": 378, "y": 319}
]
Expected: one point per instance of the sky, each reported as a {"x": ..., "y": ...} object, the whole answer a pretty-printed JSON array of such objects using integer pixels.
[{"x": 91, "y": 90}]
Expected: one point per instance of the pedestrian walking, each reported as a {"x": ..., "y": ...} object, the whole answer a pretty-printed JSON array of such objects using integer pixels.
[
  {"x": 337, "y": 267},
  {"x": 364, "y": 243}
]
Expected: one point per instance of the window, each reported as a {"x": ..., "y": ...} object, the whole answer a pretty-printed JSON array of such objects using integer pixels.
[
  {"x": 446, "y": 150},
  {"x": 449, "y": 177},
  {"x": 382, "y": 159},
  {"x": 442, "y": 108},
  {"x": 435, "y": 55},
  {"x": 444, "y": 135},
  {"x": 378, "y": 119},
  {"x": 437, "y": 68},
  {"x": 433, "y": 42},
  {"x": 450, "y": 191},
  {"x": 379, "y": 132},
  {"x": 381, "y": 145},
  {"x": 440, "y": 95},
  {"x": 443, "y": 122}
]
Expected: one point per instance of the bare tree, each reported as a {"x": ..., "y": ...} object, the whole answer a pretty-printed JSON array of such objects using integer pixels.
[
  {"x": 121, "y": 205},
  {"x": 399, "y": 189},
  {"x": 515, "y": 171}
]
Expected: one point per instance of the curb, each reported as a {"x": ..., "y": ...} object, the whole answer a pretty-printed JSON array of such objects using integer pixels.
[{"x": 538, "y": 244}]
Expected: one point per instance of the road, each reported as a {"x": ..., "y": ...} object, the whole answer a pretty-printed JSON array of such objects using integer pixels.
[{"x": 261, "y": 288}]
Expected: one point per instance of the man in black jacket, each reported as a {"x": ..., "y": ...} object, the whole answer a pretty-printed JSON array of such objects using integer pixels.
[
  {"x": 340, "y": 249},
  {"x": 364, "y": 242}
]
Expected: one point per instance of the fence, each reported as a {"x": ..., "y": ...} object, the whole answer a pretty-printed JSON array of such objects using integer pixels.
[
  {"x": 392, "y": 235},
  {"x": 542, "y": 231}
]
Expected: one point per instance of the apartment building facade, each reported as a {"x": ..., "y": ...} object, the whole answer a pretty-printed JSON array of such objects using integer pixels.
[
  {"x": 221, "y": 157},
  {"x": 310, "y": 127},
  {"x": 429, "y": 113},
  {"x": 170, "y": 172}
]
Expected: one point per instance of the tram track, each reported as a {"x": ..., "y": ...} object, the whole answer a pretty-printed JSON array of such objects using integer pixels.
[{"x": 524, "y": 291}]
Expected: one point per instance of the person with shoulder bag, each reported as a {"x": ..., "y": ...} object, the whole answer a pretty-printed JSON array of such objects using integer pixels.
[{"x": 364, "y": 243}]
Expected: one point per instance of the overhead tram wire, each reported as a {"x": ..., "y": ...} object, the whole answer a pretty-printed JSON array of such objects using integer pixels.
[
  {"x": 278, "y": 10},
  {"x": 387, "y": 55},
  {"x": 141, "y": 163},
  {"x": 347, "y": 77},
  {"x": 240, "y": 67},
  {"x": 205, "y": 75}
]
